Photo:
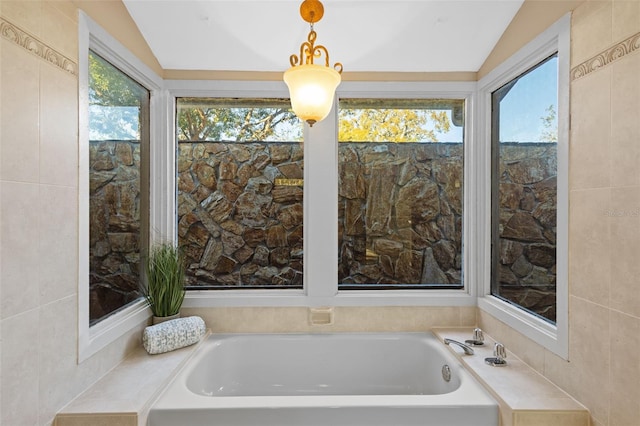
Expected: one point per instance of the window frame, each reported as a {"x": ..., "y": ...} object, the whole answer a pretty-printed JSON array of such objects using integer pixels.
[
  {"x": 231, "y": 103},
  {"x": 414, "y": 104},
  {"x": 555, "y": 39},
  {"x": 321, "y": 190},
  {"x": 91, "y": 36},
  {"x": 321, "y": 284}
]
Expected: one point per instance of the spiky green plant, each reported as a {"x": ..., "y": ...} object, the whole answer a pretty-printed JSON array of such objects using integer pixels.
[{"x": 164, "y": 291}]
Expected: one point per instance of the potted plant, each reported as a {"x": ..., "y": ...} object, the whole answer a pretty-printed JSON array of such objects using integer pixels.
[{"x": 164, "y": 290}]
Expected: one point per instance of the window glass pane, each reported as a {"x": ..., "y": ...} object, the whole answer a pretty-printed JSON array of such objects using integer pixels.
[
  {"x": 525, "y": 136},
  {"x": 400, "y": 203},
  {"x": 239, "y": 188},
  {"x": 118, "y": 146}
]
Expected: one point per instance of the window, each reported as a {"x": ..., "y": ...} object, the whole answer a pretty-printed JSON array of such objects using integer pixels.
[
  {"x": 240, "y": 174},
  {"x": 524, "y": 174},
  {"x": 400, "y": 193},
  {"x": 240, "y": 281},
  {"x": 119, "y": 131},
  {"x": 524, "y": 189},
  {"x": 118, "y": 176}
]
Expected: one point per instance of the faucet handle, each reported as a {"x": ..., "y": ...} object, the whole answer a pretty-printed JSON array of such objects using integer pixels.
[
  {"x": 499, "y": 351},
  {"x": 499, "y": 355},
  {"x": 478, "y": 338}
]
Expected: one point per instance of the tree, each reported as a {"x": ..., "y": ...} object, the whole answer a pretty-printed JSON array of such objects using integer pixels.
[
  {"x": 115, "y": 102},
  {"x": 549, "y": 125},
  {"x": 198, "y": 124},
  {"x": 239, "y": 124},
  {"x": 215, "y": 120},
  {"x": 108, "y": 86},
  {"x": 392, "y": 125}
]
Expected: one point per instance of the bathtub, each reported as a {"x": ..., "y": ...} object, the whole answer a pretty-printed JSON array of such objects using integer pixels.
[{"x": 379, "y": 379}]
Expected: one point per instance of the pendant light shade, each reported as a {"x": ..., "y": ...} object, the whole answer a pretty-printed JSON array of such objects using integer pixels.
[{"x": 311, "y": 88}]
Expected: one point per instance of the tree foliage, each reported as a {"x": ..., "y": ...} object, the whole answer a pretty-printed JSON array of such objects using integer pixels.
[
  {"x": 549, "y": 125},
  {"x": 392, "y": 125},
  {"x": 115, "y": 102},
  {"x": 108, "y": 86},
  {"x": 198, "y": 123}
]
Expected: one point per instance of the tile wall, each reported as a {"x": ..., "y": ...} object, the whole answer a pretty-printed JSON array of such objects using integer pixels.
[
  {"x": 604, "y": 229},
  {"x": 353, "y": 319},
  {"x": 38, "y": 196},
  {"x": 38, "y": 211}
]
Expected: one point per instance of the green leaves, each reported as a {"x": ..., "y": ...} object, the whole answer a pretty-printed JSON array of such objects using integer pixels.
[
  {"x": 549, "y": 125},
  {"x": 244, "y": 120},
  {"x": 117, "y": 103},
  {"x": 391, "y": 125},
  {"x": 165, "y": 280},
  {"x": 108, "y": 86}
]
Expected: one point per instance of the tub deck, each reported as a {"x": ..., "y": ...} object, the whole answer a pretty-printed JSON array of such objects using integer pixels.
[{"x": 123, "y": 397}]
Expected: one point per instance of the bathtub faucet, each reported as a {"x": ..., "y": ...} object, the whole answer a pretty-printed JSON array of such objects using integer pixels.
[{"x": 467, "y": 349}]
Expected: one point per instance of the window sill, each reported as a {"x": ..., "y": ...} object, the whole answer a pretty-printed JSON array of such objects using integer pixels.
[
  {"x": 233, "y": 298},
  {"x": 93, "y": 339},
  {"x": 536, "y": 329}
]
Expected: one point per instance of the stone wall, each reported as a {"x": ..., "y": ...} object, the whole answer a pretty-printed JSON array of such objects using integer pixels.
[
  {"x": 400, "y": 216},
  {"x": 527, "y": 226},
  {"x": 400, "y": 213},
  {"x": 114, "y": 230},
  {"x": 240, "y": 213}
]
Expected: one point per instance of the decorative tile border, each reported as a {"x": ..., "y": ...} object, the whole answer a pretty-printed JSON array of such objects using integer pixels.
[
  {"x": 37, "y": 47},
  {"x": 612, "y": 54}
]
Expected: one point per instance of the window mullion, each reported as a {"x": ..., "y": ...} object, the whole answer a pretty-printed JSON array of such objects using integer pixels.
[
  {"x": 320, "y": 207},
  {"x": 162, "y": 220}
]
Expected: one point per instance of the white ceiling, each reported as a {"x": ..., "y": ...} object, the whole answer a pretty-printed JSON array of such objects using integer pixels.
[{"x": 374, "y": 35}]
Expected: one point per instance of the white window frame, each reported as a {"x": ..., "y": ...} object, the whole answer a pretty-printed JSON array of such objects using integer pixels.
[
  {"x": 91, "y": 339},
  {"x": 321, "y": 191},
  {"x": 321, "y": 198},
  {"x": 553, "y": 337}
]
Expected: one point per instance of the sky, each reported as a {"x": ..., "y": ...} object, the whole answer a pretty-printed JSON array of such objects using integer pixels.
[
  {"x": 522, "y": 109},
  {"x": 455, "y": 134}
]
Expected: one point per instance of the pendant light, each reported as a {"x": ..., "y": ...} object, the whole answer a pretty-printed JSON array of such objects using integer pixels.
[{"x": 311, "y": 86}]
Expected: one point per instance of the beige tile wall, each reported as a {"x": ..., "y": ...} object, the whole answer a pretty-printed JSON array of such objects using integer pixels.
[
  {"x": 604, "y": 231},
  {"x": 38, "y": 232},
  {"x": 38, "y": 190}
]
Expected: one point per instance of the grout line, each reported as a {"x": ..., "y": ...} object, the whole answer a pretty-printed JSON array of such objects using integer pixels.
[
  {"x": 590, "y": 301},
  {"x": 626, "y": 314}
]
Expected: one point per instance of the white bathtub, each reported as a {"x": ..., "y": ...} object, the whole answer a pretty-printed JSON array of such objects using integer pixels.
[{"x": 380, "y": 379}]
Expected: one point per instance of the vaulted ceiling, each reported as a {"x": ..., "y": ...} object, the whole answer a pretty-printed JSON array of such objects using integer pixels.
[{"x": 365, "y": 36}]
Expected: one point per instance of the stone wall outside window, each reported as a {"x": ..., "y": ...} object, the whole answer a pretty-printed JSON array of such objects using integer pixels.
[
  {"x": 240, "y": 228},
  {"x": 114, "y": 227},
  {"x": 240, "y": 216}
]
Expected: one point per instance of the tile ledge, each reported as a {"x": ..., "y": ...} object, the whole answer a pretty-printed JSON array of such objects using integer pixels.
[
  {"x": 124, "y": 395},
  {"x": 121, "y": 398},
  {"x": 528, "y": 396}
]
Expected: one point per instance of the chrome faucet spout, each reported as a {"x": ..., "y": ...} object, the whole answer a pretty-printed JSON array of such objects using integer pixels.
[{"x": 466, "y": 348}]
